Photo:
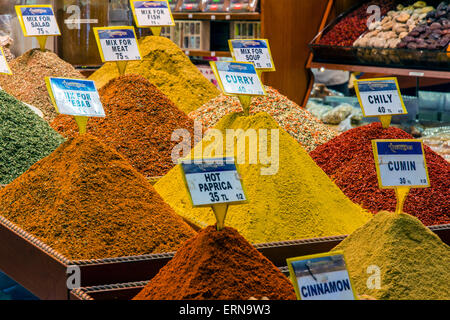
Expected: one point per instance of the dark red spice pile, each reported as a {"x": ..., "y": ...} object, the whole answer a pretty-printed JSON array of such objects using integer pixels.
[
  {"x": 348, "y": 160},
  {"x": 139, "y": 123},
  {"x": 353, "y": 25},
  {"x": 218, "y": 265}
]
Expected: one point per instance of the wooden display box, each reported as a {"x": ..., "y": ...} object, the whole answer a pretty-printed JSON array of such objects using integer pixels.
[{"x": 43, "y": 271}]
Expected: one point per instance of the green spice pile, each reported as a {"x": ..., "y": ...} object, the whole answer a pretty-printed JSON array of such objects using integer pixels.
[
  {"x": 28, "y": 80},
  {"x": 87, "y": 202},
  {"x": 166, "y": 66},
  {"x": 24, "y": 138},
  {"x": 299, "y": 123},
  {"x": 413, "y": 261}
]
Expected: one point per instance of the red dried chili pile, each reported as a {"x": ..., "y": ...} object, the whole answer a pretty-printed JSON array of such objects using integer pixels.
[
  {"x": 346, "y": 31},
  {"x": 218, "y": 265},
  {"x": 139, "y": 123},
  {"x": 348, "y": 159}
]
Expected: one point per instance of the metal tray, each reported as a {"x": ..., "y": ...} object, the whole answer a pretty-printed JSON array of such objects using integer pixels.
[
  {"x": 379, "y": 57},
  {"x": 43, "y": 271}
]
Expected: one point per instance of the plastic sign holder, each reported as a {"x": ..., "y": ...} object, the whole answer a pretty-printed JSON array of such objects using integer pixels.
[
  {"x": 155, "y": 14},
  {"x": 4, "y": 66},
  {"x": 321, "y": 277},
  {"x": 380, "y": 98},
  {"x": 256, "y": 51},
  {"x": 118, "y": 44},
  {"x": 239, "y": 79},
  {"x": 215, "y": 183},
  {"x": 38, "y": 21},
  {"x": 75, "y": 97},
  {"x": 400, "y": 165}
]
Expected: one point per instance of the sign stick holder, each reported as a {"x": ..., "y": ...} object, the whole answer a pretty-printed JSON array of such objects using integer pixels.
[
  {"x": 246, "y": 101},
  {"x": 401, "y": 193},
  {"x": 385, "y": 121},
  {"x": 122, "y": 67},
  {"x": 156, "y": 31},
  {"x": 42, "y": 42},
  {"x": 220, "y": 211},
  {"x": 82, "y": 123}
]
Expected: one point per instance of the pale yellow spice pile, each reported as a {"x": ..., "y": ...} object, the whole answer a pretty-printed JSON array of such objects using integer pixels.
[
  {"x": 297, "y": 202},
  {"x": 166, "y": 66},
  {"x": 413, "y": 261}
]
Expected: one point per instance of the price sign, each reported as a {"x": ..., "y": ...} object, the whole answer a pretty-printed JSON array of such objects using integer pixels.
[
  {"x": 255, "y": 51},
  {"x": 37, "y": 20},
  {"x": 400, "y": 163},
  {"x": 75, "y": 97},
  {"x": 4, "y": 67},
  {"x": 213, "y": 181},
  {"x": 117, "y": 44},
  {"x": 152, "y": 13},
  {"x": 321, "y": 277},
  {"x": 380, "y": 97},
  {"x": 238, "y": 78}
]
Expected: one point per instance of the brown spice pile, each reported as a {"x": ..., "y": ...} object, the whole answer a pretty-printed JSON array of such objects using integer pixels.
[
  {"x": 28, "y": 80},
  {"x": 86, "y": 202},
  {"x": 218, "y": 265},
  {"x": 139, "y": 123}
]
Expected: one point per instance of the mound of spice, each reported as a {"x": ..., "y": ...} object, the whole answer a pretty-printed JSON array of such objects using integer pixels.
[
  {"x": 346, "y": 31},
  {"x": 139, "y": 123},
  {"x": 166, "y": 66},
  {"x": 24, "y": 138},
  {"x": 87, "y": 202},
  {"x": 413, "y": 261},
  {"x": 290, "y": 197},
  {"x": 218, "y": 265},
  {"x": 298, "y": 122},
  {"x": 348, "y": 160},
  {"x": 28, "y": 80}
]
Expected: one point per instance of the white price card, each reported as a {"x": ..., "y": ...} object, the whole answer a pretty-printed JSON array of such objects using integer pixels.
[
  {"x": 117, "y": 44},
  {"x": 4, "y": 67},
  {"x": 256, "y": 51},
  {"x": 213, "y": 181},
  {"x": 321, "y": 277},
  {"x": 152, "y": 13},
  {"x": 75, "y": 97},
  {"x": 400, "y": 163},
  {"x": 37, "y": 20},
  {"x": 238, "y": 78},
  {"x": 380, "y": 97}
]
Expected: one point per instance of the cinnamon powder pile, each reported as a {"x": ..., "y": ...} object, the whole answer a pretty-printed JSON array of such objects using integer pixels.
[{"x": 218, "y": 265}]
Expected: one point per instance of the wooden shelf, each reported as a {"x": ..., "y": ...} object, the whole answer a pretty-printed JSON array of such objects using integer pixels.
[
  {"x": 384, "y": 70},
  {"x": 201, "y": 53},
  {"x": 222, "y": 16}
]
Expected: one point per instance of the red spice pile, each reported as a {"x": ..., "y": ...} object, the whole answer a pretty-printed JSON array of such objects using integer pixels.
[
  {"x": 218, "y": 265},
  {"x": 346, "y": 31},
  {"x": 139, "y": 123},
  {"x": 348, "y": 159}
]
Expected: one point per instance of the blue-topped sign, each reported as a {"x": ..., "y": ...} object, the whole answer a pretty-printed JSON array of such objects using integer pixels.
[
  {"x": 117, "y": 44},
  {"x": 400, "y": 163},
  {"x": 75, "y": 97},
  {"x": 380, "y": 97},
  {"x": 256, "y": 51},
  {"x": 238, "y": 78},
  {"x": 152, "y": 13},
  {"x": 213, "y": 181},
  {"x": 37, "y": 20}
]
